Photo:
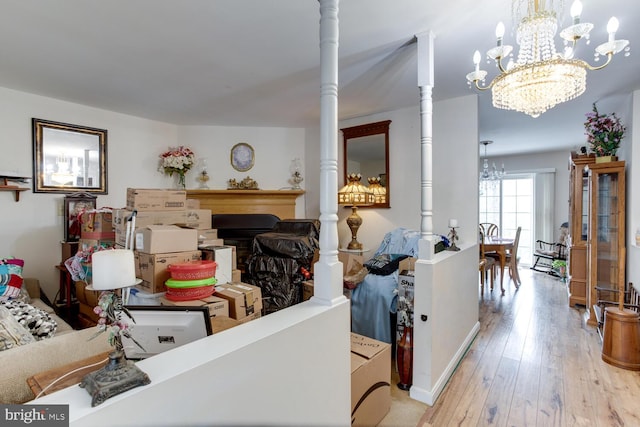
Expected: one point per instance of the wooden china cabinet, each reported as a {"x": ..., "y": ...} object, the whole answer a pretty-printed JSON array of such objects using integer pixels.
[
  {"x": 578, "y": 227},
  {"x": 606, "y": 239}
]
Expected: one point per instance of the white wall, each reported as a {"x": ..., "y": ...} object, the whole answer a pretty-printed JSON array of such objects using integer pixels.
[
  {"x": 455, "y": 195},
  {"x": 258, "y": 373},
  {"x": 404, "y": 171},
  {"x": 32, "y": 228},
  {"x": 454, "y": 145}
]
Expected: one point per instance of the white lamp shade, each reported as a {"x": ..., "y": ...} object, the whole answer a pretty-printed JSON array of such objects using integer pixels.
[{"x": 113, "y": 269}]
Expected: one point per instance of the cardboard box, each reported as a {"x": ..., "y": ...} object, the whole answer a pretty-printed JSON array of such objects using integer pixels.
[
  {"x": 152, "y": 268},
  {"x": 153, "y": 199},
  {"x": 236, "y": 276},
  {"x": 405, "y": 293},
  {"x": 217, "y": 306},
  {"x": 199, "y": 219},
  {"x": 349, "y": 261},
  {"x": 250, "y": 317},
  {"x": 370, "y": 380},
  {"x": 207, "y": 234},
  {"x": 192, "y": 204},
  {"x": 96, "y": 222},
  {"x": 223, "y": 256},
  {"x": 307, "y": 290},
  {"x": 244, "y": 299},
  {"x": 158, "y": 239},
  {"x": 222, "y": 323},
  {"x": 211, "y": 242}
]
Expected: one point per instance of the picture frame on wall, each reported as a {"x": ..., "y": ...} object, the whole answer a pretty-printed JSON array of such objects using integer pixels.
[
  {"x": 242, "y": 157},
  {"x": 74, "y": 205}
]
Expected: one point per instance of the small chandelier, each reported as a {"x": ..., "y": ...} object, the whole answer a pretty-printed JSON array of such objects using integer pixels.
[
  {"x": 541, "y": 78},
  {"x": 490, "y": 175}
]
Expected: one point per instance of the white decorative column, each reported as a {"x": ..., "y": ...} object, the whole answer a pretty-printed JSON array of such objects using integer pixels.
[
  {"x": 328, "y": 271},
  {"x": 425, "y": 83}
]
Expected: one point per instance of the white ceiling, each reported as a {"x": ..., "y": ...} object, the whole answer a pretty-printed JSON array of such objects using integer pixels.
[{"x": 255, "y": 62}]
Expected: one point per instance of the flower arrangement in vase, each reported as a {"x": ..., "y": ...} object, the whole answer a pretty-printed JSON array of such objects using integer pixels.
[
  {"x": 177, "y": 160},
  {"x": 604, "y": 133}
]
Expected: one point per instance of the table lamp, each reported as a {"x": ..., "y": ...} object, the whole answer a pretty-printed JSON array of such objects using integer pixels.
[
  {"x": 113, "y": 269},
  {"x": 355, "y": 194},
  {"x": 379, "y": 191}
]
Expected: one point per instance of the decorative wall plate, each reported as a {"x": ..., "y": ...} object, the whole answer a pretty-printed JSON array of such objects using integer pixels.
[{"x": 242, "y": 157}]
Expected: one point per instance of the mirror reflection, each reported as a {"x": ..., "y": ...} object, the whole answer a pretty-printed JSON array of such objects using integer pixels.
[
  {"x": 366, "y": 151},
  {"x": 68, "y": 158}
]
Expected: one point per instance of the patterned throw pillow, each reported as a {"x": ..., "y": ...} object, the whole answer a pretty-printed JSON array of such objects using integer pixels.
[
  {"x": 10, "y": 277},
  {"x": 37, "y": 321},
  {"x": 12, "y": 333}
]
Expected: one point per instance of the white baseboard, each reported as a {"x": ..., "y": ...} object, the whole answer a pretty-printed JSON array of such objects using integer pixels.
[{"x": 430, "y": 396}]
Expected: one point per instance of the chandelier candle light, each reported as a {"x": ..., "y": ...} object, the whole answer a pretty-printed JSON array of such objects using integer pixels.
[
  {"x": 541, "y": 78},
  {"x": 490, "y": 174}
]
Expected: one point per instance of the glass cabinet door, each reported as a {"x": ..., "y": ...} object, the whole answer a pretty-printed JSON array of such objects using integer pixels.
[
  {"x": 606, "y": 235},
  {"x": 584, "y": 217},
  {"x": 578, "y": 228},
  {"x": 606, "y": 225}
]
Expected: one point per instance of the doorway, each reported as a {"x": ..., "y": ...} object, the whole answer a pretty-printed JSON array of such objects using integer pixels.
[{"x": 509, "y": 203}]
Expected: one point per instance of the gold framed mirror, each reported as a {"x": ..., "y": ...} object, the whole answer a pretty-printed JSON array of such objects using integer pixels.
[
  {"x": 68, "y": 158},
  {"x": 366, "y": 151}
]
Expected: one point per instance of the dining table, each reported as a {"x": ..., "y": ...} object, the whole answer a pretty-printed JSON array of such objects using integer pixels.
[{"x": 499, "y": 245}]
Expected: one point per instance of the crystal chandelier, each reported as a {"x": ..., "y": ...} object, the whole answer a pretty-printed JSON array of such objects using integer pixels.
[
  {"x": 490, "y": 175},
  {"x": 542, "y": 78}
]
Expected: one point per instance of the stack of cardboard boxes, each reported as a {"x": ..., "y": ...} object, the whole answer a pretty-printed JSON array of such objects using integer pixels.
[
  {"x": 170, "y": 229},
  {"x": 96, "y": 233},
  {"x": 96, "y": 229},
  {"x": 165, "y": 232}
]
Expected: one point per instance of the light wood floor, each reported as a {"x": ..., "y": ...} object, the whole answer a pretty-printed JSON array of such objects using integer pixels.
[{"x": 535, "y": 362}]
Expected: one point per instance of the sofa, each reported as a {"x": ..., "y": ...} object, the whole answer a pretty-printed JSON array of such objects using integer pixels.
[{"x": 66, "y": 346}]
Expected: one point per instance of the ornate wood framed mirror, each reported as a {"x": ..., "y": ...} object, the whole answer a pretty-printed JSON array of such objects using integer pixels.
[{"x": 366, "y": 151}]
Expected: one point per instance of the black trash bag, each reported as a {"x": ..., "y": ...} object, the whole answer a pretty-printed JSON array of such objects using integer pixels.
[
  {"x": 291, "y": 239},
  {"x": 284, "y": 245},
  {"x": 280, "y": 280}
]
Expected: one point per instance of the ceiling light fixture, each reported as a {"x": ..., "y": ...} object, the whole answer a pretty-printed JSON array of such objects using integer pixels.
[
  {"x": 490, "y": 175},
  {"x": 542, "y": 78}
]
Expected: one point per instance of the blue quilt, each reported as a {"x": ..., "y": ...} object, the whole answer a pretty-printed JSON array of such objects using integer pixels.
[{"x": 376, "y": 297}]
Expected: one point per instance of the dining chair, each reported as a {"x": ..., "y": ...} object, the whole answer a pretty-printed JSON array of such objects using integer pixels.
[
  {"x": 485, "y": 264},
  {"x": 489, "y": 229},
  {"x": 512, "y": 259}
]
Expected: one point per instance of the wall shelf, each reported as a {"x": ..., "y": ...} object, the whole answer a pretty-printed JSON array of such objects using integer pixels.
[
  {"x": 15, "y": 189},
  {"x": 5, "y": 186}
]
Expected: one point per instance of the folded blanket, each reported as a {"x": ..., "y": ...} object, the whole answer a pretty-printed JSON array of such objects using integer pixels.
[{"x": 38, "y": 322}]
